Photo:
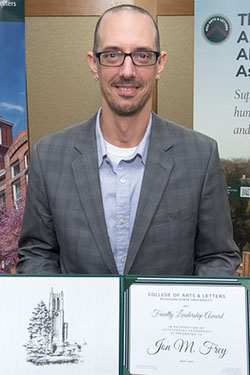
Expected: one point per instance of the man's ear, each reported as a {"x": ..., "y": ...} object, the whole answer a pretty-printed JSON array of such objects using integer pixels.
[
  {"x": 161, "y": 64},
  {"x": 92, "y": 61}
]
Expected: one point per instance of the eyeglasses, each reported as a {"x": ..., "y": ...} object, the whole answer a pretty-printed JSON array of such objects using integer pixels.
[{"x": 117, "y": 58}]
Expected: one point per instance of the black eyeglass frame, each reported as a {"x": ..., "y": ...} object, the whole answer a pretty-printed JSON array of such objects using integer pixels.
[{"x": 98, "y": 55}]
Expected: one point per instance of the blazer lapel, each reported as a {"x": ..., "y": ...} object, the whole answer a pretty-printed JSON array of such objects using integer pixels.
[
  {"x": 157, "y": 172},
  {"x": 86, "y": 173}
]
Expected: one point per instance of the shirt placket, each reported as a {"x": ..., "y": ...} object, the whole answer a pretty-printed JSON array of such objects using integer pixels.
[{"x": 122, "y": 214}]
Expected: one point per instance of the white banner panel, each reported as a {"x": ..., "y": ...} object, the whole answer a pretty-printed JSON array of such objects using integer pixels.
[
  {"x": 222, "y": 74},
  {"x": 222, "y": 97}
]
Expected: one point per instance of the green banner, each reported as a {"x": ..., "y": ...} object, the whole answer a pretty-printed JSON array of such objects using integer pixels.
[{"x": 11, "y": 11}]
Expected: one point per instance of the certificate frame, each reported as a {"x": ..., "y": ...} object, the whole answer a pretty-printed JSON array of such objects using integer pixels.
[
  {"x": 97, "y": 308},
  {"x": 189, "y": 354}
]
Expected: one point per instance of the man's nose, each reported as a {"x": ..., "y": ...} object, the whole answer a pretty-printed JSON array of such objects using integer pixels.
[{"x": 127, "y": 69}]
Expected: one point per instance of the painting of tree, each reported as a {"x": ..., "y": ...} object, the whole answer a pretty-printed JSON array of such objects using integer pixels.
[
  {"x": 237, "y": 174},
  {"x": 10, "y": 227}
]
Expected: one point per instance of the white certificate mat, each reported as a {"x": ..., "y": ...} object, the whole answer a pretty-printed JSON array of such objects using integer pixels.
[
  {"x": 59, "y": 325},
  {"x": 187, "y": 329}
]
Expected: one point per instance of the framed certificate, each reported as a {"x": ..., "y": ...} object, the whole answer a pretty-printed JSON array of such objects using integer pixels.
[
  {"x": 186, "y": 327},
  {"x": 123, "y": 325}
]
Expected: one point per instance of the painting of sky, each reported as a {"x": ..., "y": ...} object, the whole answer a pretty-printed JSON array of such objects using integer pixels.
[{"x": 12, "y": 75}]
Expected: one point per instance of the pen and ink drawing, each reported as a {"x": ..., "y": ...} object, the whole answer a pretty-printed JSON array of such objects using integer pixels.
[{"x": 48, "y": 335}]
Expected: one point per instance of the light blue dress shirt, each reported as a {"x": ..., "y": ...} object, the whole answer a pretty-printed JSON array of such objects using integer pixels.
[{"x": 121, "y": 186}]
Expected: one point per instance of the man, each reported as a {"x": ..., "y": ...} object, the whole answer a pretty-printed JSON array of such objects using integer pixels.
[{"x": 127, "y": 192}]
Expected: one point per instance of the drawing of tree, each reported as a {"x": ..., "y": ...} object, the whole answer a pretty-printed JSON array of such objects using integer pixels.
[{"x": 40, "y": 327}]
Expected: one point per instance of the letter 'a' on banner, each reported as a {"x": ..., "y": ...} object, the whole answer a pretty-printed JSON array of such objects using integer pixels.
[
  {"x": 222, "y": 100},
  {"x": 13, "y": 130}
]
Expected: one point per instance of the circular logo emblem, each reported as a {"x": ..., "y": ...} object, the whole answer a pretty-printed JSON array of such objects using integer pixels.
[{"x": 216, "y": 29}]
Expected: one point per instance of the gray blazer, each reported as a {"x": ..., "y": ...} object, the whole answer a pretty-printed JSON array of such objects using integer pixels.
[{"x": 182, "y": 225}]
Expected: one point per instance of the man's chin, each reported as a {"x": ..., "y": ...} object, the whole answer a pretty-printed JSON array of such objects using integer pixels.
[{"x": 126, "y": 110}]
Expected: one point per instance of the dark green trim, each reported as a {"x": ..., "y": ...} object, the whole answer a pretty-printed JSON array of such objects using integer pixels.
[
  {"x": 121, "y": 341},
  {"x": 127, "y": 281},
  {"x": 125, "y": 371},
  {"x": 245, "y": 281}
]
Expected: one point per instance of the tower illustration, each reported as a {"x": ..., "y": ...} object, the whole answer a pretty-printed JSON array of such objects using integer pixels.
[
  {"x": 59, "y": 329},
  {"x": 48, "y": 334}
]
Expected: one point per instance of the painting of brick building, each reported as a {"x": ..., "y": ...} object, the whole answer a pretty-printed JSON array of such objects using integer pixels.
[
  {"x": 13, "y": 181},
  {"x": 13, "y": 130}
]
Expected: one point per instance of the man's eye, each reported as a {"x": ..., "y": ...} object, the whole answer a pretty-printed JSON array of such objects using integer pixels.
[
  {"x": 142, "y": 55},
  {"x": 110, "y": 55}
]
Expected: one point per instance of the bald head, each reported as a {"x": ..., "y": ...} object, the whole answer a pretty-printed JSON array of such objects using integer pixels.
[{"x": 125, "y": 8}]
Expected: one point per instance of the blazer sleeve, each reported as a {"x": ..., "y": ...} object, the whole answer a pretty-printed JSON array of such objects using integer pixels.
[
  {"x": 216, "y": 253},
  {"x": 38, "y": 247}
]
